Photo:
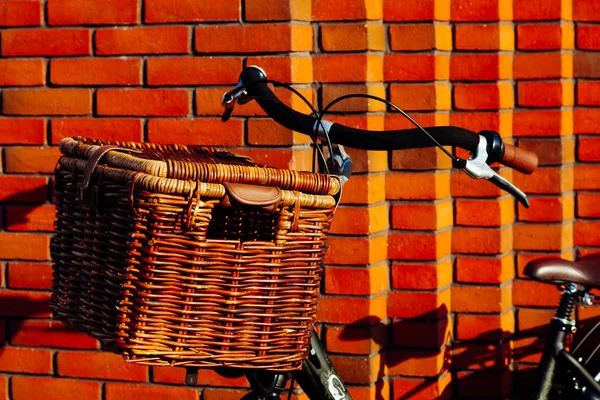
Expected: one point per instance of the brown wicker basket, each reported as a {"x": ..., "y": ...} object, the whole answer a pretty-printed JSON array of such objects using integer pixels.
[{"x": 187, "y": 256}]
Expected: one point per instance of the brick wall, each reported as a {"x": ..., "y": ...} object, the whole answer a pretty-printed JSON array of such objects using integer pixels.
[{"x": 423, "y": 295}]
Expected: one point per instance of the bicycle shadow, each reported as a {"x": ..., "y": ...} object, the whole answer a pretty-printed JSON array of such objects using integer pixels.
[{"x": 498, "y": 362}]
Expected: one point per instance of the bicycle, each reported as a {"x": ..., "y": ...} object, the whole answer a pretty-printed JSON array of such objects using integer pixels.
[{"x": 318, "y": 377}]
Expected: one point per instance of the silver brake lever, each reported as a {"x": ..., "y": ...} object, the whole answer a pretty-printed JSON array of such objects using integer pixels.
[
  {"x": 230, "y": 99},
  {"x": 477, "y": 168}
]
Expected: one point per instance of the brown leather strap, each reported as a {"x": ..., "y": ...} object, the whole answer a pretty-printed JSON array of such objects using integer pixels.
[{"x": 267, "y": 197}]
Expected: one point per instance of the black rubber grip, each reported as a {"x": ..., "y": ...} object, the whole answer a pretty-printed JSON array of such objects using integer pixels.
[{"x": 351, "y": 137}]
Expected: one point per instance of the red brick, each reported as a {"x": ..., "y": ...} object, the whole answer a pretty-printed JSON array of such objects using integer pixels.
[
  {"x": 481, "y": 240},
  {"x": 412, "y": 333},
  {"x": 356, "y": 340},
  {"x": 22, "y": 131},
  {"x": 586, "y": 177},
  {"x": 543, "y": 236},
  {"x": 23, "y": 246},
  {"x": 352, "y": 310},
  {"x": 22, "y": 360},
  {"x": 415, "y": 67},
  {"x": 534, "y": 294},
  {"x": 21, "y": 303},
  {"x": 586, "y": 10},
  {"x": 30, "y": 218},
  {"x": 253, "y": 38},
  {"x": 484, "y": 37},
  {"x": 419, "y": 246},
  {"x": 547, "y": 209},
  {"x": 481, "y": 299},
  {"x": 48, "y": 334},
  {"x": 413, "y": 362},
  {"x": 142, "y": 40},
  {"x": 99, "y": 366},
  {"x": 4, "y": 387},
  {"x": 539, "y": 37},
  {"x": 585, "y": 120},
  {"x": 421, "y": 216},
  {"x": 29, "y": 275},
  {"x": 480, "y": 67},
  {"x": 92, "y": 12},
  {"x": 223, "y": 394},
  {"x": 587, "y": 93},
  {"x": 286, "y": 69},
  {"x": 546, "y": 181},
  {"x": 551, "y": 151},
  {"x": 30, "y": 159},
  {"x": 423, "y": 388},
  {"x": 334, "y": 37},
  {"x": 541, "y": 10},
  {"x": 483, "y": 96},
  {"x": 278, "y": 158},
  {"x": 90, "y": 71},
  {"x": 421, "y": 96},
  {"x": 484, "y": 270},
  {"x": 356, "y": 250},
  {"x": 464, "y": 186},
  {"x": 118, "y": 391},
  {"x": 276, "y": 10},
  {"x": 587, "y": 205},
  {"x": 587, "y": 149},
  {"x": 541, "y": 123},
  {"x": 587, "y": 233},
  {"x": 47, "y": 102},
  {"x": 484, "y": 212},
  {"x": 425, "y": 305},
  {"x": 421, "y": 276},
  {"x": 347, "y": 68},
  {"x": 542, "y": 93},
  {"x": 587, "y": 37},
  {"x": 481, "y": 10},
  {"x": 159, "y": 11},
  {"x": 585, "y": 64},
  {"x": 21, "y": 72},
  {"x": 266, "y": 132},
  {"x": 485, "y": 327},
  {"x": 45, "y": 42},
  {"x": 416, "y": 10},
  {"x": 197, "y": 131},
  {"x": 324, "y": 10},
  {"x": 207, "y": 377},
  {"x": 25, "y": 387},
  {"x": 23, "y": 189},
  {"x": 539, "y": 66},
  {"x": 20, "y": 13},
  {"x": 484, "y": 384},
  {"x": 356, "y": 281},
  {"x": 534, "y": 320},
  {"x": 431, "y": 158},
  {"x": 417, "y": 186},
  {"x": 127, "y": 130},
  {"x": 480, "y": 356},
  {"x": 191, "y": 71},
  {"x": 143, "y": 102},
  {"x": 358, "y": 369}
]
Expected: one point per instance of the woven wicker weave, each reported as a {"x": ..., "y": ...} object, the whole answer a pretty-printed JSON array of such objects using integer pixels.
[{"x": 161, "y": 261}]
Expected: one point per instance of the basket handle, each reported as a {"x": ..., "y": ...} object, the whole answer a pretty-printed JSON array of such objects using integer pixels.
[
  {"x": 93, "y": 161},
  {"x": 267, "y": 197}
]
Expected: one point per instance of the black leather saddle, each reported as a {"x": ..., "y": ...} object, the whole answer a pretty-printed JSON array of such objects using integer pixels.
[{"x": 585, "y": 271}]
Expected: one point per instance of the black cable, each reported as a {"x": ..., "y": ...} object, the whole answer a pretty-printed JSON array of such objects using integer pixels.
[{"x": 291, "y": 388}]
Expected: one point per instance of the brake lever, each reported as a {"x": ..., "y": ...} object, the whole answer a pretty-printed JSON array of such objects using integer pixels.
[
  {"x": 231, "y": 98},
  {"x": 340, "y": 163},
  {"x": 477, "y": 168}
]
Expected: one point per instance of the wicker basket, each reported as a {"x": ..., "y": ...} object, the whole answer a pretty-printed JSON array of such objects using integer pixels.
[{"x": 187, "y": 256}]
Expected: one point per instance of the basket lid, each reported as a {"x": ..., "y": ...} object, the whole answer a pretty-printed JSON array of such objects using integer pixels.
[{"x": 197, "y": 163}]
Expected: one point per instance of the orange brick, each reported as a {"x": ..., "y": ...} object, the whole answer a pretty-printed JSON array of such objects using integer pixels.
[
  {"x": 355, "y": 192},
  {"x": 548, "y": 209},
  {"x": 421, "y": 96},
  {"x": 586, "y": 10},
  {"x": 92, "y": 12},
  {"x": 334, "y": 37},
  {"x": 534, "y": 294},
  {"x": 533, "y": 320},
  {"x": 24, "y": 246},
  {"x": 500, "y": 121},
  {"x": 546, "y": 181},
  {"x": 476, "y": 67},
  {"x": 360, "y": 220},
  {"x": 420, "y": 37},
  {"x": 587, "y": 205},
  {"x": 485, "y": 327},
  {"x": 127, "y": 130},
  {"x": 117, "y": 391},
  {"x": 143, "y": 102},
  {"x": 99, "y": 365},
  {"x": 587, "y": 93},
  {"x": 484, "y": 37},
  {"x": 24, "y": 360},
  {"x": 275, "y": 10},
  {"x": 419, "y": 246},
  {"x": 545, "y": 94},
  {"x": 424, "y": 305},
  {"x": 417, "y": 186},
  {"x": 348, "y": 68},
  {"x": 481, "y": 240},
  {"x": 20, "y": 13},
  {"x": 359, "y": 369},
  {"x": 22, "y": 72},
  {"x": 356, "y": 251},
  {"x": 483, "y": 96},
  {"x": 422, "y": 216},
  {"x": 481, "y": 299},
  {"x": 586, "y": 177},
  {"x": 196, "y": 131},
  {"x": 473, "y": 269},
  {"x": 49, "y": 334},
  {"x": 89, "y": 71},
  {"x": 323, "y": 10},
  {"x": 464, "y": 186},
  {"x": 47, "y": 102},
  {"x": 26, "y": 387},
  {"x": 539, "y": 37},
  {"x": 188, "y": 71},
  {"x": 253, "y": 38},
  {"x": 159, "y": 11},
  {"x": 286, "y": 69},
  {"x": 421, "y": 276},
  {"x": 29, "y": 276},
  {"x": 416, "y": 10},
  {"x": 356, "y": 281},
  {"x": 142, "y": 40},
  {"x": 542, "y": 10},
  {"x": 415, "y": 67},
  {"x": 542, "y": 123},
  {"x": 30, "y": 218},
  {"x": 411, "y": 333},
  {"x": 397, "y": 121},
  {"x": 543, "y": 236},
  {"x": 379, "y": 390},
  {"x": 356, "y": 340},
  {"x": 352, "y": 310},
  {"x": 330, "y": 93},
  {"x": 481, "y": 10},
  {"x": 22, "y": 131},
  {"x": 484, "y": 212},
  {"x": 45, "y": 42},
  {"x": 586, "y": 233},
  {"x": 419, "y": 363},
  {"x": 23, "y": 189},
  {"x": 542, "y": 65},
  {"x": 30, "y": 159}
]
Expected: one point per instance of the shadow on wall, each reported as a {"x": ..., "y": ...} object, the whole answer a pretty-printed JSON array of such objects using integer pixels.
[{"x": 477, "y": 368}]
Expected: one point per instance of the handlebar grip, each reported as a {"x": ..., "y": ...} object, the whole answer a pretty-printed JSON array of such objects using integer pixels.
[{"x": 522, "y": 160}]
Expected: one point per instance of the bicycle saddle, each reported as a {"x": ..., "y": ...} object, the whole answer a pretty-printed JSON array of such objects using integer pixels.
[{"x": 585, "y": 271}]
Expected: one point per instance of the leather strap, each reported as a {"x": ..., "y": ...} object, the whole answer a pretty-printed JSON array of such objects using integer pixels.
[{"x": 267, "y": 197}]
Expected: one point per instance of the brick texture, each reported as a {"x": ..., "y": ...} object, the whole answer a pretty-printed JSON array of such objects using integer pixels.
[{"x": 423, "y": 292}]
